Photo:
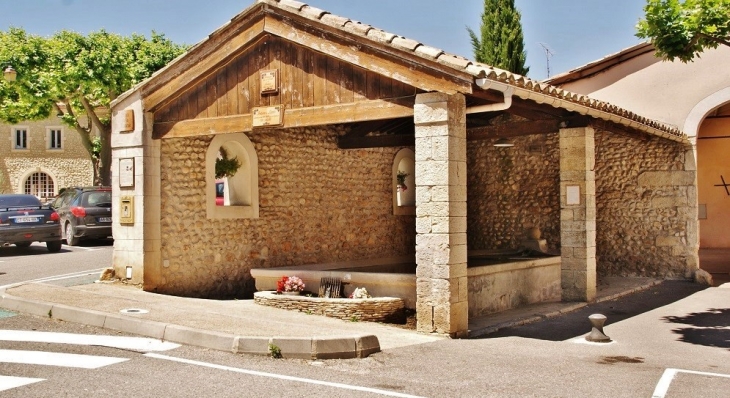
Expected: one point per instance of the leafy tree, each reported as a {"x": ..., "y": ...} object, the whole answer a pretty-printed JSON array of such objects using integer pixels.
[
  {"x": 500, "y": 43},
  {"x": 76, "y": 77},
  {"x": 684, "y": 30}
]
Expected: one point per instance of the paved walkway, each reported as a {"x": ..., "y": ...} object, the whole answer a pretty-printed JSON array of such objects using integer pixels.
[{"x": 245, "y": 327}]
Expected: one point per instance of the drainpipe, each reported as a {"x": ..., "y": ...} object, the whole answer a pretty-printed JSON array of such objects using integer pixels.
[{"x": 487, "y": 84}]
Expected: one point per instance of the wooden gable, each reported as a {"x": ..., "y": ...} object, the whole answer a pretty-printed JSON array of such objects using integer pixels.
[
  {"x": 310, "y": 84},
  {"x": 325, "y": 77}
]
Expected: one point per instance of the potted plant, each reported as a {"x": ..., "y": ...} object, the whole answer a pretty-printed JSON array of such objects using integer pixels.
[
  {"x": 401, "y": 178},
  {"x": 225, "y": 167},
  {"x": 290, "y": 285}
]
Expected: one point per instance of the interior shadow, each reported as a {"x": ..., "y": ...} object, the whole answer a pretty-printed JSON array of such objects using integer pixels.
[{"x": 574, "y": 324}]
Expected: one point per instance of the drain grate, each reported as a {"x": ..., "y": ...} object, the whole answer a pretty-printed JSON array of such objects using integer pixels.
[{"x": 134, "y": 311}]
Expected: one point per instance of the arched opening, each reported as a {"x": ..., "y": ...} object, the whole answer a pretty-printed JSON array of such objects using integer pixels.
[
  {"x": 713, "y": 178},
  {"x": 404, "y": 182},
  {"x": 231, "y": 177},
  {"x": 39, "y": 184}
]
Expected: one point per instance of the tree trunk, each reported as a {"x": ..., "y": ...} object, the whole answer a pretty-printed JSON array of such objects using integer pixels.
[{"x": 105, "y": 156}]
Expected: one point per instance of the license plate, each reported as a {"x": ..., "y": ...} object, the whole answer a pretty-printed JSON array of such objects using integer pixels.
[
  {"x": 25, "y": 219},
  {"x": 105, "y": 219}
]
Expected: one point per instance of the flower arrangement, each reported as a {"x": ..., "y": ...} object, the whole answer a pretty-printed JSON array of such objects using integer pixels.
[
  {"x": 289, "y": 284},
  {"x": 360, "y": 293},
  {"x": 401, "y": 178}
]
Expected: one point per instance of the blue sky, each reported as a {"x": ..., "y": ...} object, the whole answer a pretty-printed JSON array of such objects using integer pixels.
[{"x": 575, "y": 31}]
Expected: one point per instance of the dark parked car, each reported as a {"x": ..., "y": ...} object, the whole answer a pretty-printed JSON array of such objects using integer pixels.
[
  {"x": 86, "y": 213},
  {"x": 24, "y": 220}
]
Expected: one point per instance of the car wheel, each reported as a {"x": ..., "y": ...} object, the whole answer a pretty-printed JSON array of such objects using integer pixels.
[
  {"x": 71, "y": 240},
  {"x": 23, "y": 244},
  {"x": 54, "y": 247}
]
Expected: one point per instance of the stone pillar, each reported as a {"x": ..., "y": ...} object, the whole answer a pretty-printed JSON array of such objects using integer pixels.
[
  {"x": 441, "y": 283},
  {"x": 136, "y": 243},
  {"x": 578, "y": 214}
]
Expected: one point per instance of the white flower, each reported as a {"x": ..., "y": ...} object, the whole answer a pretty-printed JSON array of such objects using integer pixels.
[{"x": 360, "y": 293}]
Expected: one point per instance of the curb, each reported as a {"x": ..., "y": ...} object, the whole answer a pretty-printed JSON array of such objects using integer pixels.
[{"x": 343, "y": 347}]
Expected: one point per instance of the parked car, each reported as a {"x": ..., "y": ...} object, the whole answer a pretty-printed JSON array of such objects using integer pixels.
[
  {"x": 86, "y": 213},
  {"x": 24, "y": 220}
]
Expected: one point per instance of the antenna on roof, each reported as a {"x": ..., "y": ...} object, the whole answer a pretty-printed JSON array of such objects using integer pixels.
[{"x": 548, "y": 54}]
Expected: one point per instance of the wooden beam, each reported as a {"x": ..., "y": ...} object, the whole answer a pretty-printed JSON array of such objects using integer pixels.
[
  {"x": 516, "y": 129},
  {"x": 303, "y": 117},
  {"x": 186, "y": 73},
  {"x": 418, "y": 76},
  {"x": 377, "y": 141}
]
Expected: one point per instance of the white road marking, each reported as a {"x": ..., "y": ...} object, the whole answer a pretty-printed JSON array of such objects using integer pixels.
[
  {"x": 663, "y": 386},
  {"x": 8, "y": 382},
  {"x": 55, "y": 278},
  {"x": 142, "y": 344},
  {"x": 283, "y": 377},
  {"x": 57, "y": 359},
  {"x": 88, "y": 249}
]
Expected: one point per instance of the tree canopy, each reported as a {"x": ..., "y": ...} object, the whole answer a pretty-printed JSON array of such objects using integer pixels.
[
  {"x": 500, "y": 42},
  {"x": 683, "y": 30},
  {"x": 76, "y": 77}
]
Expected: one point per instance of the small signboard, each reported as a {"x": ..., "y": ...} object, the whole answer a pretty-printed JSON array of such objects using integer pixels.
[
  {"x": 128, "y": 121},
  {"x": 126, "y": 173},
  {"x": 269, "y": 81},
  {"x": 266, "y": 116}
]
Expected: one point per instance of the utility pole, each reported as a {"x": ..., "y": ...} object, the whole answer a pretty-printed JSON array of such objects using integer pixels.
[{"x": 548, "y": 54}]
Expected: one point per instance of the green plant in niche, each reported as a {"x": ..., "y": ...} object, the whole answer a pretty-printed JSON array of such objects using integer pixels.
[
  {"x": 224, "y": 166},
  {"x": 401, "y": 178}
]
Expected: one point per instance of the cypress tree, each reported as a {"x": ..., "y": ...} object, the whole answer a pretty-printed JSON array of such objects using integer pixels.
[{"x": 501, "y": 43}]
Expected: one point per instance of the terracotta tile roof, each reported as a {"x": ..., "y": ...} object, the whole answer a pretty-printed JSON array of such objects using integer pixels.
[{"x": 525, "y": 87}]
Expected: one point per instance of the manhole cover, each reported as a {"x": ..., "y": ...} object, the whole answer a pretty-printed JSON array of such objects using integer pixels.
[{"x": 133, "y": 311}]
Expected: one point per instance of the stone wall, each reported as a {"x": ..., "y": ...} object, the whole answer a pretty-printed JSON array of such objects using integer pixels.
[
  {"x": 69, "y": 166},
  {"x": 512, "y": 189},
  {"x": 646, "y": 221},
  {"x": 646, "y": 211},
  {"x": 377, "y": 309},
  {"x": 317, "y": 204}
]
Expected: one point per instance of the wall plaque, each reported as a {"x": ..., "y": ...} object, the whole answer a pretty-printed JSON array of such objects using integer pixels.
[
  {"x": 267, "y": 116},
  {"x": 573, "y": 195},
  {"x": 128, "y": 121},
  {"x": 126, "y": 173},
  {"x": 269, "y": 81}
]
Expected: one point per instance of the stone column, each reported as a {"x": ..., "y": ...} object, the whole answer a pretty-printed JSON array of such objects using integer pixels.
[
  {"x": 578, "y": 214},
  {"x": 441, "y": 283},
  {"x": 136, "y": 244}
]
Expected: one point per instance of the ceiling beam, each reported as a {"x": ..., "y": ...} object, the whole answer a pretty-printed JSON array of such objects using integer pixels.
[
  {"x": 516, "y": 129},
  {"x": 378, "y": 141}
]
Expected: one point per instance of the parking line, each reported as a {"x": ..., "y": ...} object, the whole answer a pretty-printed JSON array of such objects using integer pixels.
[
  {"x": 283, "y": 377},
  {"x": 663, "y": 386}
]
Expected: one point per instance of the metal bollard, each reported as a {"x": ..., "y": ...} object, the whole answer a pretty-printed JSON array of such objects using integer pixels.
[{"x": 596, "y": 335}]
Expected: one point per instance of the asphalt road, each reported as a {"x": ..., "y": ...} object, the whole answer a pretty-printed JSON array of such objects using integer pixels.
[
  {"x": 542, "y": 359},
  {"x": 35, "y": 262}
]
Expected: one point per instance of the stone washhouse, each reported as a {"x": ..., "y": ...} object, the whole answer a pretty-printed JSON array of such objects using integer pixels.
[{"x": 322, "y": 112}]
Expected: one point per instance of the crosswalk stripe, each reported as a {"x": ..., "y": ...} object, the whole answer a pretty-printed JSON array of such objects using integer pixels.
[
  {"x": 122, "y": 342},
  {"x": 57, "y": 359},
  {"x": 8, "y": 382}
]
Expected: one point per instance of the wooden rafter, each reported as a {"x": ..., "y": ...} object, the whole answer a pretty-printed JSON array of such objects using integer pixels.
[{"x": 394, "y": 66}]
